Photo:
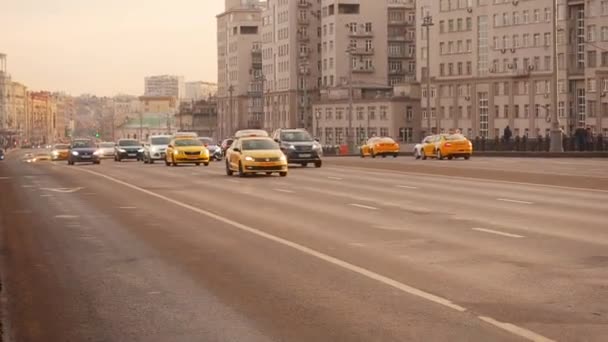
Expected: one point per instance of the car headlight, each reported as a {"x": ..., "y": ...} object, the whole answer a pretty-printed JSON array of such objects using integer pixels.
[
  {"x": 316, "y": 147},
  {"x": 283, "y": 158},
  {"x": 249, "y": 158},
  {"x": 55, "y": 153},
  {"x": 74, "y": 153},
  {"x": 141, "y": 150},
  {"x": 98, "y": 152},
  {"x": 175, "y": 152},
  {"x": 121, "y": 150}
]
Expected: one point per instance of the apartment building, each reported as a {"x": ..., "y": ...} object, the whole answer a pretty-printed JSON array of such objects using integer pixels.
[
  {"x": 290, "y": 61},
  {"x": 165, "y": 85},
  {"x": 401, "y": 41},
  {"x": 199, "y": 90},
  {"x": 491, "y": 65},
  {"x": 239, "y": 65}
]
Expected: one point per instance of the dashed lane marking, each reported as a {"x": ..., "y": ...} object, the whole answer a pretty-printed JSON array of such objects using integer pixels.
[
  {"x": 362, "y": 206},
  {"x": 284, "y": 191},
  {"x": 514, "y": 329},
  {"x": 498, "y": 233},
  {"x": 513, "y": 201}
]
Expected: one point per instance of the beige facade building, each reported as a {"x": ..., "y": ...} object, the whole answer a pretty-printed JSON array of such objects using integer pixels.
[
  {"x": 43, "y": 118},
  {"x": 291, "y": 62},
  {"x": 165, "y": 85},
  {"x": 491, "y": 65},
  {"x": 386, "y": 112},
  {"x": 199, "y": 90},
  {"x": 66, "y": 113},
  {"x": 239, "y": 66}
]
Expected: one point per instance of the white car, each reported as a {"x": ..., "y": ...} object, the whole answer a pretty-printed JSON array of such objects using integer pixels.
[
  {"x": 155, "y": 148},
  {"x": 418, "y": 147},
  {"x": 106, "y": 149}
]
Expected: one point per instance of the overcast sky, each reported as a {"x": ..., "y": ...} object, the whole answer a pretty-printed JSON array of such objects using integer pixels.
[{"x": 105, "y": 47}]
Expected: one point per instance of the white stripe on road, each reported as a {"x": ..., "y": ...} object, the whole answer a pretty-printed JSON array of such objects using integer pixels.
[
  {"x": 497, "y": 233},
  {"x": 513, "y": 201},
  {"x": 407, "y": 187},
  {"x": 27, "y": 186},
  {"x": 335, "y": 178},
  {"x": 66, "y": 216},
  {"x": 127, "y": 207},
  {"x": 5, "y": 178},
  {"x": 362, "y": 206},
  {"x": 284, "y": 190},
  {"x": 518, "y": 331},
  {"x": 234, "y": 181}
]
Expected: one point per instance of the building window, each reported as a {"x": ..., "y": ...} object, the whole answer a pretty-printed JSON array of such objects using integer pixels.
[
  {"x": 483, "y": 113},
  {"x": 591, "y": 59},
  {"x": 591, "y": 33}
]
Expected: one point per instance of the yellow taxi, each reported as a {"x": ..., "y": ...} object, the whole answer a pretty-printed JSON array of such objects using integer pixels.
[
  {"x": 60, "y": 152},
  {"x": 380, "y": 146},
  {"x": 448, "y": 146},
  {"x": 186, "y": 150},
  {"x": 249, "y": 155}
]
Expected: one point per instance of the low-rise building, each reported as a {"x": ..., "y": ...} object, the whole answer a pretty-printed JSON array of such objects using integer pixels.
[
  {"x": 379, "y": 111},
  {"x": 198, "y": 116}
]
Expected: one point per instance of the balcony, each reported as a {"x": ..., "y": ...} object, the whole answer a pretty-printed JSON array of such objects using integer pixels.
[
  {"x": 400, "y": 38},
  {"x": 403, "y": 55},
  {"x": 396, "y": 72},
  {"x": 303, "y": 39},
  {"x": 361, "y": 34},
  {"x": 364, "y": 70},
  {"x": 363, "y": 51},
  {"x": 304, "y": 4},
  {"x": 303, "y": 21}
]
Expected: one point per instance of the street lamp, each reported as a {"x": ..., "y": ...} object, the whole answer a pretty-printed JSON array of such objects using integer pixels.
[
  {"x": 317, "y": 117},
  {"x": 556, "y": 133},
  {"x": 427, "y": 22},
  {"x": 349, "y": 134}
]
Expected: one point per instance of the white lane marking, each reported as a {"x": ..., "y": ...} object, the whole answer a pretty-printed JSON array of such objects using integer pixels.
[
  {"x": 513, "y": 201},
  {"x": 284, "y": 190},
  {"x": 407, "y": 187},
  {"x": 5, "y": 178},
  {"x": 66, "y": 216},
  {"x": 362, "y": 206},
  {"x": 154, "y": 292},
  {"x": 27, "y": 186},
  {"x": 46, "y": 195},
  {"x": 514, "y": 329},
  {"x": 63, "y": 190},
  {"x": 498, "y": 233},
  {"x": 483, "y": 180},
  {"x": 234, "y": 181},
  {"x": 327, "y": 258},
  {"x": 335, "y": 178},
  {"x": 127, "y": 207}
]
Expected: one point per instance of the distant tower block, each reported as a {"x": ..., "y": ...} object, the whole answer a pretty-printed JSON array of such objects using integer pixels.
[{"x": 2, "y": 63}]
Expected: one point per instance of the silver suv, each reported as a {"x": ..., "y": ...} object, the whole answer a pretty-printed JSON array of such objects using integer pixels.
[{"x": 155, "y": 148}]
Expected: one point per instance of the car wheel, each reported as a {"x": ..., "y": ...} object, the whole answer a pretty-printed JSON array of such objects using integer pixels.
[
  {"x": 439, "y": 155},
  {"x": 229, "y": 172},
  {"x": 167, "y": 162},
  {"x": 150, "y": 161},
  {"x": 146, "y": 160},
  {"x": 304, "y": 164},
  {"x": 416, "y": 155},
  {"x": 268, "y": 173},
  {"x": 206, "y": 164},
  {"x": 197, "y": 164},
  {"x": 395, "y": 155},
  {"x": 241, "y": 171},
  {"x": 450, "y": 157},
  {"x": 373, "y": 154},
  {"x": 423, "y": 155},
  {"x": 173, "y": 161},
  {"x": 318, "y": 164},
  {"x": 361, "y": 153},
  {"x": 283, "y": 174},
  {"x": 467, "y": 157},
  {"x": 97, "y": 162}
]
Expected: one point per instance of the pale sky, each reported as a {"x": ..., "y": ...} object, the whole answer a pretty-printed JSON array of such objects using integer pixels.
[{"x": 105, "y": 47}]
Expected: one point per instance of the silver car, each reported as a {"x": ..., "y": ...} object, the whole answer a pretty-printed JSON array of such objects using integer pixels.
[
  {"x": 155, "y": 148},
  {"x": 106, "y": 150}
]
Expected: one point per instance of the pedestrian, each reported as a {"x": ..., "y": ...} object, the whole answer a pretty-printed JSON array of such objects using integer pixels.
[{"x": 507, "y": 134}]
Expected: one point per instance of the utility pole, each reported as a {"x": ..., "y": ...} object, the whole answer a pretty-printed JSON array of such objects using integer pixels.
[
  {"x": 231, "y": 91},
  {"x": 556, "y": 133},
  {"x": 427, "y": 23},
  {"x": 141, "y": 124},
  {"x": 349, "y": 134}
]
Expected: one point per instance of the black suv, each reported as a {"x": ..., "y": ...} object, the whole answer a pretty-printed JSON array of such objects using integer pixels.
[
  {"x": 299, "y": 147},
  {"x": 128, "y": 149}
]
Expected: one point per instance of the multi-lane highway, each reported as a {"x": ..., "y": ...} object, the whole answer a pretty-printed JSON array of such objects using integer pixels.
[{"x": 359, "y": 250}]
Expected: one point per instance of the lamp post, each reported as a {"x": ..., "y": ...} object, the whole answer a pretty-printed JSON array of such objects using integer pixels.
[
  {"x": 427, "y": 23},
  {"x": 556, "y": 133},
  {"x": 317, "y": 117},
  {"x": 349, "y": 134}
]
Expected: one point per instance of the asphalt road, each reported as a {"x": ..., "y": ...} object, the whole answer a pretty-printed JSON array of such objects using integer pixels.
[{"x": 359, "y": 250}]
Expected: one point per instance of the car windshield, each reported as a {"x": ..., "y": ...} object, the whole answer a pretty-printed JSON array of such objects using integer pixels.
[
  {"x": 188, "y": 142},
  {"x": 160, "y": 141},
  {"x": 207, "y": 141},
  {"x": 259, "y": 144},
  {"x": 62, "y": 147},
  {"x": 455, "y": 137},
  {"x": 83, "y": 144},
  {"x": 251, "y": 133},
  {"x": 107, "y": 145},
  {"x": 386, "y": 141},
  {"x": 296, "y": 136},
  {"x": 128, "y": 143}
]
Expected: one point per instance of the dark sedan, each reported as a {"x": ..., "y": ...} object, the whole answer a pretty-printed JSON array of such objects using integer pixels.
[
  {"x": 128, "y": 149},
  {"x": 1, "y": 154},
  {"x": 83, "y": 151}
]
